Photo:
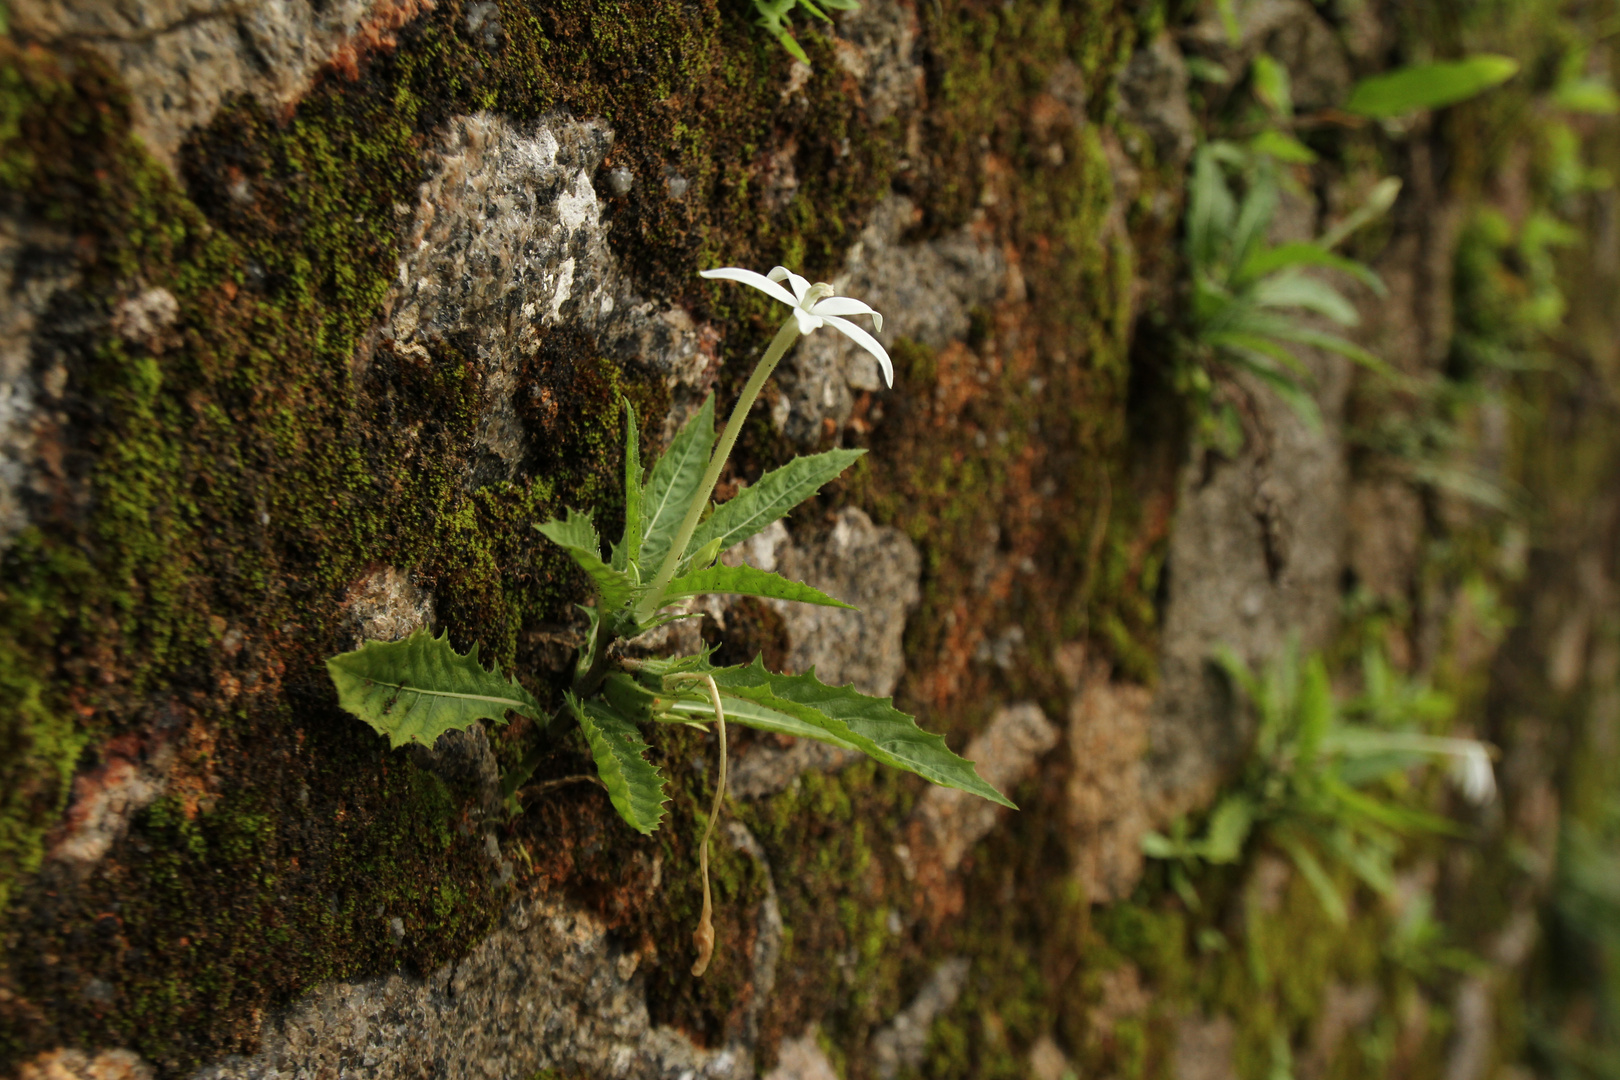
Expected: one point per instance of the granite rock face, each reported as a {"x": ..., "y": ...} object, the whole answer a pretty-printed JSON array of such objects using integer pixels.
[
  {"x": 507, "y": 250},
  {"x": 507, "y": 245},
  {"x": 182, "y": 60},
  {"x": 37, "y": 270},
  {"x": 548, "y": 989}
]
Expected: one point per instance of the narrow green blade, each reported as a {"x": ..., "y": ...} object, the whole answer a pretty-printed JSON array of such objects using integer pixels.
[
  {"x": 578, "y": 537},
  {"x": 673, "y": 485},
  {"x": 777, "y": 492},
  {"x": 628, "y": 550},
  {"x": 747, "y": 581}
]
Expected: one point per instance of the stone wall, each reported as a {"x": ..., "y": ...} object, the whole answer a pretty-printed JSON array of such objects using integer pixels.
[{"x": 314, "y": 309}]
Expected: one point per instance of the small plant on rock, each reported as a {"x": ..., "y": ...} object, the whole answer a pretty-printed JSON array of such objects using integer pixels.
[
  {"x": 1324, "y": 780},
  {"x": 420, "y": 688},
  {"x": 1253, "y": 302},
  {"x": 774, "y": 18}
]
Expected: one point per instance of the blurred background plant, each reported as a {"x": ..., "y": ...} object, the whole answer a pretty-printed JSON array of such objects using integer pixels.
[
  {"x": 1329, "y": 782},
  {"x": 774, "y": 17},
  {"x": 1254, "y": 303}
]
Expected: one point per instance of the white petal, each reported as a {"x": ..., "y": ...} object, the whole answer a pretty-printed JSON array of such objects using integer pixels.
[
  {"x": 749, "y": 277},
  {"x": 845, "y": 305},
  {"x": 865, "y": 341},
  {"x": 807, "y": 321},
  {"x": 800, "y": 285}
]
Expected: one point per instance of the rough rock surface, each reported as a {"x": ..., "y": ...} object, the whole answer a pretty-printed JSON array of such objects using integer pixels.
[
  {"x": 902, "y": 1043},
  {"x": 1204, "y": 1049},
  {"x": 548, "y": 989},
  {"x": 876, "y": 569},
  {"x": 1108, "y": 738},
  {"x": 77, "y": 1065},
  {"x": 802, "y": 1058},
  {"x": 507, "y": 243},
  {"x": 1256, "y": 560},
  {"x": 388, "y": 606},
  {"x": 1004, "y": 753},
  {"x": 36, "y": 266},
  {"x": 131, "y": 776},
  {"x": 1153, "y": 91},
  {"x": 181, "y": 60}
]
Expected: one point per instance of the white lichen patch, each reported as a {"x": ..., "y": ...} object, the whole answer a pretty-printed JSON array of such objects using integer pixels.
[{"x": 387, "y": 605}]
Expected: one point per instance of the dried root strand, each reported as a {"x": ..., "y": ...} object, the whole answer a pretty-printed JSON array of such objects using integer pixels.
[{"x": 703, "y": 936}]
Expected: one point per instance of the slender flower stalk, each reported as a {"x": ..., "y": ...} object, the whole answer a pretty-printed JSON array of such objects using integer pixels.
[{"x": 814, "y": 306}]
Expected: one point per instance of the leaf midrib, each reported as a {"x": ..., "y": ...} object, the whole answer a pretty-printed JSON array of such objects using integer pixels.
[{"x": 513, "y": 703}]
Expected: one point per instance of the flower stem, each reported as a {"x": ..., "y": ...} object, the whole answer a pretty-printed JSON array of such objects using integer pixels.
[{"x": 779, "y": 346}]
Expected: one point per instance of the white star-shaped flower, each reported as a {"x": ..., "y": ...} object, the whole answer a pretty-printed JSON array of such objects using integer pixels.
[{"x": 814, "y": 306}]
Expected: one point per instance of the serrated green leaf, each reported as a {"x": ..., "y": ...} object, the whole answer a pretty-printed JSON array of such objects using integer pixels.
[
  {"x": 628, "y": 550},
  {"x": 871, "y": 725},
  {"x": 750, "y": 714},
  {"x": 673, "y": 485},
  {"x": 628, "y": 697},
  {"x": 420, "y": 687},
  {"x": 1429, "y": 86},
  {"x": 633, "y": 784},
  {"x": 747, "y": 581},
  {"x": 577, "y": 536},
  {"x": 777, "y": 492}
]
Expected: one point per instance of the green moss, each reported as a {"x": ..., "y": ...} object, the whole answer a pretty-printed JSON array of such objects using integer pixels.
[{"x": 829, "y": 841}]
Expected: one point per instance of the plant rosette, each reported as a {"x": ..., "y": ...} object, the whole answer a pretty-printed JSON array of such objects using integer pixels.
[{"x": 419, "y": 688}]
